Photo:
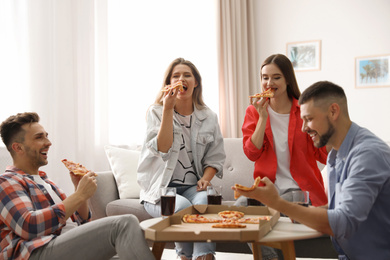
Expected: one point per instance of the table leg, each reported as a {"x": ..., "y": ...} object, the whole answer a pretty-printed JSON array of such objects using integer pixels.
[
  {"x": 287, "y": 247},
  {"x": 157, "y": 249},
  {"x": 288, "y": 250},
  {"x": 256, "y": 249}
]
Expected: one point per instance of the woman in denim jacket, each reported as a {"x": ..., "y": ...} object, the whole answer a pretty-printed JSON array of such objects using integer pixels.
[{"x": 183, "y": 148}]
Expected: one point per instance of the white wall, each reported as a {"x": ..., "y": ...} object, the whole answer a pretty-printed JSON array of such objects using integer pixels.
[{"x": 347, "y": 29}]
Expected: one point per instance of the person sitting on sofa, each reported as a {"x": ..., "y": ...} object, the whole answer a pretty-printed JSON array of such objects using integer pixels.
[
  {"x": 38, "y": 221},
  {"x": 358, "y": 169},
  {"x": 183, "y": 148}
]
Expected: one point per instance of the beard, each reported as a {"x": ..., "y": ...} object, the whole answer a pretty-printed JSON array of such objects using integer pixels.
[
  {"x": 35, "y": 157},
  {"x": 324, "y": 139}
]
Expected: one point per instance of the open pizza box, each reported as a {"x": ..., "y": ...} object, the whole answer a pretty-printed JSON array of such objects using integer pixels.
[{"x": 174, "y": 229}]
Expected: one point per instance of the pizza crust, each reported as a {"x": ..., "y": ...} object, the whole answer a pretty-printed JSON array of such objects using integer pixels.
[{"x": 228, "y": 225}]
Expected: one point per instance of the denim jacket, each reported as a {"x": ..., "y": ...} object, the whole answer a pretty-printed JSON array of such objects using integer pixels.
[{"x": 155, "y": 169}]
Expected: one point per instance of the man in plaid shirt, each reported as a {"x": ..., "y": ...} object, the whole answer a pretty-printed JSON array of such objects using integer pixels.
[{"x": 38, "y": 221}]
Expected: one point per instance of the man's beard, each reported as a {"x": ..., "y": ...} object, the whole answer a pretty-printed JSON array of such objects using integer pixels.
[
  {"x": 35, "y": 157},
  {"x": 324, "y": 139}
]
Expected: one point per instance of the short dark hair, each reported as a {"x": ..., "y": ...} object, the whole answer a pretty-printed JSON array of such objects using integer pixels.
[
  {"x": 11, "y": 128},
  {"x": 322, "y": 90}
]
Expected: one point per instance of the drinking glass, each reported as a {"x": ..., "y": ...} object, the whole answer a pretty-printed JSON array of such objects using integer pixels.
[
  {"x": 168, "y": 199},
  {"x": 214, "y": 195},
  {"x": 301, "y": 198}
]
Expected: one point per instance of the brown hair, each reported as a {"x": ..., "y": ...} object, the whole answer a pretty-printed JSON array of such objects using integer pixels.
[
  {"x": 197, "y": 97},
  {"x": 11, "y": 129},
  {"x": 285, "y": 65}
]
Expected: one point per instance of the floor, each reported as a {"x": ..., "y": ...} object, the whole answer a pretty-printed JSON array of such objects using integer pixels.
[{"x": 170, "y": 254}]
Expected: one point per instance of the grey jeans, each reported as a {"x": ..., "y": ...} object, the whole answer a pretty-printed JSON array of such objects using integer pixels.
[{"x": 98, "y": 239}]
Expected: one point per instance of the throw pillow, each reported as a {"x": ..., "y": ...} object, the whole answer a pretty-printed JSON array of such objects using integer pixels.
[{"x": 124, "y": 165}]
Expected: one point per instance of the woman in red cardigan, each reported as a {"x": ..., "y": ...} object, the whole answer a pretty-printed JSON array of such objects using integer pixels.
[{"x": 273, "y": 139}]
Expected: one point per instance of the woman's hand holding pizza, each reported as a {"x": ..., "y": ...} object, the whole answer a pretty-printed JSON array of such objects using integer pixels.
[
  {"x": 169, "y": 99},
  {"x": 261, "y": 106},
  {"x": 261, "y": 101},
  {"x": 170, "y": 94}
]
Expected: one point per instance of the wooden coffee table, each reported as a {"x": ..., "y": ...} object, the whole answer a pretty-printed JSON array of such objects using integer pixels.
[{"x": 282, "y": 236}]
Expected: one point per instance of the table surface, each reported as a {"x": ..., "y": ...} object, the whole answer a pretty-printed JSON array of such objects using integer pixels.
[{"x": 284, "y": 230}]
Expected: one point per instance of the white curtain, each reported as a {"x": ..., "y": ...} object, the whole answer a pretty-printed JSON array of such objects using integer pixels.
[
  {"x": 58, "y": 50},
  {"x": 62, "y": 83},
  {"x": 237, "y": 62}
]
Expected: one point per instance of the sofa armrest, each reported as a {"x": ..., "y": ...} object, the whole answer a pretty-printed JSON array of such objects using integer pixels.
[{"x": 106, "y": 192}]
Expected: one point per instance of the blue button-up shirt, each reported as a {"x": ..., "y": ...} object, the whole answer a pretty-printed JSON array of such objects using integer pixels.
[{"x": 359, "y": 195}]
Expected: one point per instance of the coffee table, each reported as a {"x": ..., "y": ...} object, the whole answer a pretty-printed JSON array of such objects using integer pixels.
[{"x": 282, "y": 236}]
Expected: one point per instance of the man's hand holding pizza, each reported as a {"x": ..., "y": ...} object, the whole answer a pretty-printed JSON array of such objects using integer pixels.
[
  {"x": 267, "y": 194},
  {"x": 87, "y": 186}
]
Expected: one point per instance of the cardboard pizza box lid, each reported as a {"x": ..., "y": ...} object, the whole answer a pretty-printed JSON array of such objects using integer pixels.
[{"x": 173, "y": 229}]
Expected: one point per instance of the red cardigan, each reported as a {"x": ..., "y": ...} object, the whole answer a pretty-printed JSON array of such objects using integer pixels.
[{"x": 303, "y": 154}]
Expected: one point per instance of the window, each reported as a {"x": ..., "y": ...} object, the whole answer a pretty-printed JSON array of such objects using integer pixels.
[
  {"x": 143, "y": 38},
  {"x": 14, "y": 77}
]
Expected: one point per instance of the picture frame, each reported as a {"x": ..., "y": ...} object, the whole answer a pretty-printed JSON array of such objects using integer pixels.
[
  {"x": 372, "y": 71},
  {"x": 305, "y": 55}
]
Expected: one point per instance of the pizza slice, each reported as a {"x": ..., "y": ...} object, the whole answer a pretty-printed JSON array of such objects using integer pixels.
[
  {"x": 229, "y": 223},
  {"x": 76, "y": 168},
  {"x": 178, "y": 85},
  {"x": 231, "y": 214},
  {"x": 269, "y": 93},
  {"x": 244, "y": 188},
  {"x": 196, "y": 218},
  {"x": 253, "y": 220}
]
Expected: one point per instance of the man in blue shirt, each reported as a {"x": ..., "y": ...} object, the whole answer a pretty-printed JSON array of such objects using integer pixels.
[{"x": 358, "y": 168}]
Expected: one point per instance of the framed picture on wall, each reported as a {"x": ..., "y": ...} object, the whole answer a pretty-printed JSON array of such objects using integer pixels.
[
  {"x": 372, "y": 71},
  {"x": 305, "y": 56}
]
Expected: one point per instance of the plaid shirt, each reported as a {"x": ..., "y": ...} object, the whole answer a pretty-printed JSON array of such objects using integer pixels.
[{"x": 29, "y": 218}]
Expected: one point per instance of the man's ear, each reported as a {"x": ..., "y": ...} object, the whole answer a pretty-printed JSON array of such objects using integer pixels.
[
  {"x": 334, "y": 111},
  {"x": 17, "y": 147}
]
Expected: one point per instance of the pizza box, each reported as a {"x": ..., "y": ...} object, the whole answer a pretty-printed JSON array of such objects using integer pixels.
[{"x": 172, "y": 228}]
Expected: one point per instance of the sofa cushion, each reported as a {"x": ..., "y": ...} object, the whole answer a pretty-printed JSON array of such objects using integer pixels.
[
  {"x": 124, "y": 165},
  {"x": 237, "y": 169}
]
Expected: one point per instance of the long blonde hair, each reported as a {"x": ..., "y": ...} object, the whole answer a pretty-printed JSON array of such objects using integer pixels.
[{"x": 197, "y": 97}]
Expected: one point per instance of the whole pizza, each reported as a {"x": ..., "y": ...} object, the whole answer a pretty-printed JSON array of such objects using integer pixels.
[{"x": 227, "y": 219}]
